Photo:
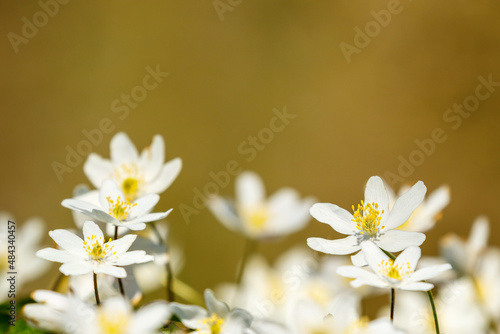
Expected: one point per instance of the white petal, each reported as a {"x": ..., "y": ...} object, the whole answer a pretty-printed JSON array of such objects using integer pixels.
[
  {"x": 343, "y": 246},
  {"x": 428, "y": 272},
  {"x": 409, "y": 258},
  {"x": 373, "y": 255},
  {"x": 152, "y": 158},
  {"x": 76, "y": 268},
  {"x": 150, "y": 317},
  {"x": 55, "y": 255},
  {"x": 356, "y": 272},
  {"x": 419, "y": 286},
  {"x": 214, "y": 305},
  {"x": 78, "y": 205},
  {"x": 359, "y": 259},
  {"x": 151, "y": 217},
  {"x": 168, "y": 174},
  {"x": 375, "y": 192},
  {"x": 129, "y": 258},
  {"x": 379, "y": 283},
  {"x": 110, "y": 270},
  {"x": 123, "y": 244},
  {"x": 190, "y": 315},
  {"x": 97, "y": 169},
  {"x": 68, "y": 241},
  {"x": 250, "y": 191},
  {"x": 90, "y": 228},
  {"x": 405, "y": 205},
  {"x": 122, "y": 149},
  {"x": 396, "y": 240},
  {"x": 110, "y": 189},
  {"x": 478, "y": 238},
  {"x": 339, "y": 219},
  {"x": 143, "y": 205},
  {"x": 224, "y": 211}
]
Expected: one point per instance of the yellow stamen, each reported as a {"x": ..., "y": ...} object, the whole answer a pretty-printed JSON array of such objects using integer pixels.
[
  {"x": 367, "y": 218},
  {"x": 214, "y": 322},
  {"x": 119, "y": 209},
  {"x": 97, "y": 249},
  {"x": 113, "y": 323},
  {"x": 130, "y": 179},
  {"x": 397, "y": 272}
]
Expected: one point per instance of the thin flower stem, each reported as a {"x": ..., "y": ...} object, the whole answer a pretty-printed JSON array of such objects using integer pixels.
[
  {"x": 429, "y": 294},
  {"x": 96, "y": 292},
  {"x": 250, "y": 246},
  {"x": 170, "y": 276},
  {"x": 393, "y": 297},
  {"x": 120, "y": 283}
]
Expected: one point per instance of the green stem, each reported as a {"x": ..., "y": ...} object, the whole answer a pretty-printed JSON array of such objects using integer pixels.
[
  {"x": 250, "y": 246},
  {"x": 393, "y": 297},
  {"x": 431, "y": 298},
  {"x": 120, "y": 283},
  {"x": 96, "y": 292},
  {"x": 434, "y": 312}
]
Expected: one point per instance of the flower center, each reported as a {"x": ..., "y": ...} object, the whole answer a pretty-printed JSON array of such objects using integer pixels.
[
  {"x": 397, "y": 272},
  {"x": 96, "y": 248},
  {"x": 367, "y": 218},
  {"x": 119, "y": 209},
  {"x": 214, "y": 323},
  {"x": 257, "y": 218},
  {"x": 130, "y": 179},
  {"x": 113, "y": 323}
]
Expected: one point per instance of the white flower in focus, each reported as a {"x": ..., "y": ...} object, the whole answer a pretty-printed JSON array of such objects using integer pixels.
[
  {"x": 115, "y": 209},
  {"x": 137, "y": 175},
  {"x": 28, "y": 236},
  {"x": 256, "y": 217},
  {"x": 397, "y": 274},
  {"x": 372, "y": 221},
  {"x": 67, "y": 314},
  {"x": 94, "y": 254},
  {"x": 426, "y": 214},
  {"x": 216, "y": 319}
]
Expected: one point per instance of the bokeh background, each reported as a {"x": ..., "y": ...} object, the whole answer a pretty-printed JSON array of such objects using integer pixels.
[{"x": 353, "y": 120}]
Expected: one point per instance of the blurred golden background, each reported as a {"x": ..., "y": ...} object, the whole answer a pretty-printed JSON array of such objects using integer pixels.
[{"x": 230, "y": 63}]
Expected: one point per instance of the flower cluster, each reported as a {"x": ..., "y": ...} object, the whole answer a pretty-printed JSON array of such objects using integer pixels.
[{"x": 119, "y": 252}]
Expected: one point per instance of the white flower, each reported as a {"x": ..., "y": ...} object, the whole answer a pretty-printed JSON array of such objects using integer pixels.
[
  {"x": 217, "y": 319},
  {"x": 426, "y": 214},
  {"x": 116, "y": 210},
  {"x": 28, "y": 236},
  {"x": 397, "y": 274},
  {"x": 137, "y": 175},
  {"x": 94, "y": 254},
  {"x": 67, "y": 314},
  {"x": 463, "y": 255},
  {"x": 371, "y": 221},
  {"x": 257, "y": 217}
]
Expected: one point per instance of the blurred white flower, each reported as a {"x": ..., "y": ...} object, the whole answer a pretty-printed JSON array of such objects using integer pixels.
[
  {"x": 425, "y": 216},
  {"x": 94, "y": 254},
  {"x": 256, "y": 217},
  {"x": 137, "y": 175},
  {"x": 397, "y": 274},
  {"x": 67, "y": 314},
  {"x": 463, "y": 255},
  {"x": 457, "y": 310},
  {"x": 216, "y": 319},
  {"x": 28, "y": 234},
  {"x": 115, "y": 209},
  {"x": 371, "y": 221}
]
